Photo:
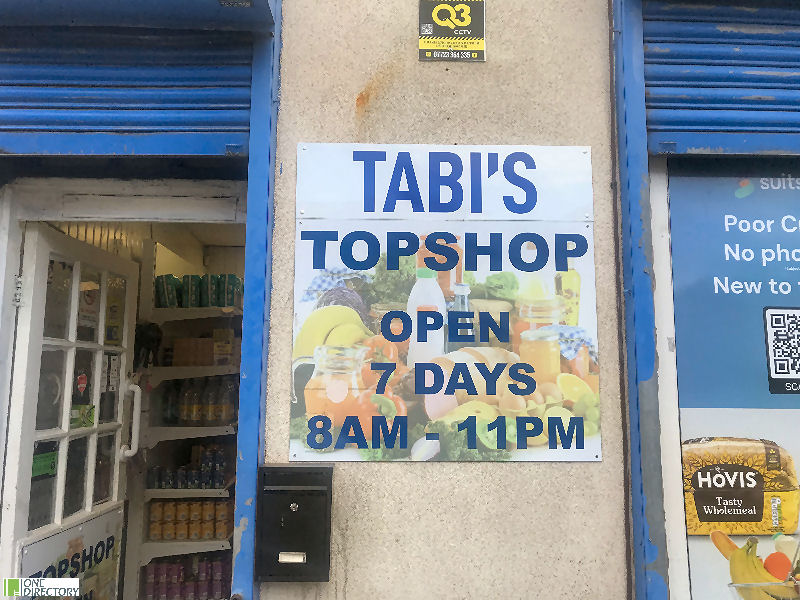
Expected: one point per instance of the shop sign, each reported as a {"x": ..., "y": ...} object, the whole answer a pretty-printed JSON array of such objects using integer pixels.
[
  {"x": 88, "y": 552},
  {"x": 444, "y": 304},
  {"x": 452, "y": 30},
  {"x": 736, "y": 274}
]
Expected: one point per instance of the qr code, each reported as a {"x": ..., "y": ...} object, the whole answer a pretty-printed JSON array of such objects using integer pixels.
[
  {"x": 426, "y": 29},
  {"x": 783, "y": 342}
]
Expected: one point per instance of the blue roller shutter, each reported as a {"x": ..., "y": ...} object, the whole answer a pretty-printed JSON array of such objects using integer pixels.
[
  {"x": 101, "y": 91},
  {"x": 722, "y": 78}
]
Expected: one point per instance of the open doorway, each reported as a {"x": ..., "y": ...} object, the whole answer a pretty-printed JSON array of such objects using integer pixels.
[{"x": 122, "y": 425}]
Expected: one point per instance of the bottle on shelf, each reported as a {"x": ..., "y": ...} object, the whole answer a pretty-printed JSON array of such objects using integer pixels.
[
  {"x": 185, "y": 403},
  {"x": 210, "y": 400},
  {"x": 226, "y": 400},
  {"x": 196, "y": 406}
]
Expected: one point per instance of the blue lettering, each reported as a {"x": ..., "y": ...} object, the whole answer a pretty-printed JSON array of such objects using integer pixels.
[{"x": 369, "y": 157}]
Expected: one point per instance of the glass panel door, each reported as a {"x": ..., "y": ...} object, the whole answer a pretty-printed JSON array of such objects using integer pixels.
[{"x": 73, "y": 351}]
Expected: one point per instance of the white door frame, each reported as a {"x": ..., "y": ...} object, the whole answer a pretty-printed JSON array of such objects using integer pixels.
[{"x": 91, "y": 200}]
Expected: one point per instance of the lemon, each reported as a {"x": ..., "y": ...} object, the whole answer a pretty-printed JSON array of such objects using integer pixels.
[{"x": 572, "y": 386}]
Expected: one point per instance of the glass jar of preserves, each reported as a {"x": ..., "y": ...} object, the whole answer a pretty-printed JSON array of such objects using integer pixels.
[
  {"x": 540, "y": 348},
  {"x": 336, "y": 383},
  {"x": 533, "y": 314}
]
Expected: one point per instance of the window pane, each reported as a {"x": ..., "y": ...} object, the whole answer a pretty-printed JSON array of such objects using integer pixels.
[
  {"x": 75, "y": 486},
  {"x": 57, "y": 300},
  {"x": 82, "y": 412},
  {"x": 109, "y": 387},
  {"x": 43, "y": 484},
  {"x": 51, "y": 389},
  {"x": 88, "y": 304},
  {"x": 103, "y": 468},
  {"x": 115, "y": 310}
]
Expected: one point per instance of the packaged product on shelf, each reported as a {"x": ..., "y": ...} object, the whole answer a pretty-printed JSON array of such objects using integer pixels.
[
  {"x": 156, "y": 511},
  {"x": 161, "y": 572},
  {"x": 193, "y": 352},
  {"x": 181, "y": 530},
  {"x": 181, "y": 510},
  {"x": 194, "y": 530},
  {"x": 196, "y": 510},
  {"x": 208, "y": 290},
  {"x": 190, "y": 291},
  {"x": 154, "y": 531},
  {"x": 209, "y": 400},
  {"x": 739, "y": 486},
  {"x": 149, "y": 591},
  {"x": 223, "y": 346},
  {"x": 167, "y": 479},
  {"x": 154, "y": 477},
  {"x": 168, "y": 291},
  {"x": 221, "y": 510},
  {"x": 229, "y": 290},
  {"x": 168, "y": 531},
  {"x": 209, "y": 510},
  {"x": 169, "y": 510},
  {"x": 207, "y": 530},
  {"x": 221, "y": 530}
]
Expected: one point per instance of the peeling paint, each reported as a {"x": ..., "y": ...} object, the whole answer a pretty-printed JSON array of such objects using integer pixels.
[
  {"x": 238, "y": 532},
  {"x": 764, "y": 98},
  {"x": 249, "y": 501},
  {"x": 657, "y": 49},
  {"x": 706, "y": 150},
  {"x": 756, "y": 29},
  {"x": 671, "y": 344},
  {"x": 775, "y": 73}
]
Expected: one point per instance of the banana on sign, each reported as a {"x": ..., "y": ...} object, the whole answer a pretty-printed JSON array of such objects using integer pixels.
[{"x": 452, "y": 30}]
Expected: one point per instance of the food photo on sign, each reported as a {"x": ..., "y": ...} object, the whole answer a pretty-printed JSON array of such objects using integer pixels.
[{"x": 465, "y": 335}]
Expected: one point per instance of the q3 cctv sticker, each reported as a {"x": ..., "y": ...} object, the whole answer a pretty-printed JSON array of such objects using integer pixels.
[{"x": 452, "y": 30}]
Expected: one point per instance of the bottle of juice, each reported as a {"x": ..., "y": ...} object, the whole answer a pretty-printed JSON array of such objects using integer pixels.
[
  {"x": 568, "y": 286},
  {"x": 426, "y": 295},
  {"x": 195, "y": 403},
  {"x": 184, "y": 403}
]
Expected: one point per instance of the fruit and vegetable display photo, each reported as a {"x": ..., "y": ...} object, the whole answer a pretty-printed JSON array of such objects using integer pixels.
[{"x": 444, "y": 305}]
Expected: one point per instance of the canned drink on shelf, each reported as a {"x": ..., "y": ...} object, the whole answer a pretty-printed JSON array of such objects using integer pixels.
[
  {"x": 154, "y": 477},
  {"x": 206, "y": 530},
  {"x": 167, "y": 479},
  {"x": 169, "y": 511},
  {"x": 156, "y": 511},
  {"x": 194, "y": 530},
  {"x": 182, "y": 530},
  {"x": 172, "y": 572},
  {"x": 222, "y": 510},
  {"x": 181, "y": 478},
  {"x": 182, "y": 510},
  {"x": 209, "y": 510},
  {"x": 150, "y": 572},
  {"x": 201, "y": 592},
  {"x": 216, "y": 569},
  {"x": 168, "y": 531},
  {"x": 161, "y": 572},
  {"x": 155, "y": 531},
  {"x": 188, "y": 590},
  {"x": 161, "y": 591},
  {"x": 149, "y": 590},
  {"x": 174, "y": 591},
  {"x": 196, "y": 510},
  {"x": 216, "y": 590},
  {"x": 202, "y": 569},
  {"x": 221, "y": 530}
]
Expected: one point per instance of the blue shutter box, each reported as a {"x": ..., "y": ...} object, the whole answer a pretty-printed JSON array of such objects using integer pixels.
[
  {"x": 722, "y": 78},
  {"x": 115, "y": 91}
]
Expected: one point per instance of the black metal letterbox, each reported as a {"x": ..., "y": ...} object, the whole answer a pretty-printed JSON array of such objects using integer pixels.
[{"x": 293, "y": 523}]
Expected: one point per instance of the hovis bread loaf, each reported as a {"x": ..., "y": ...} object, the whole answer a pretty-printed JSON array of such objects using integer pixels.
[{"x": 739, "y": 486}]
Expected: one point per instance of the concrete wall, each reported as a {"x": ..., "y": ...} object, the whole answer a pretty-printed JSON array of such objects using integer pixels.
[{"x": 350, "y": 73}]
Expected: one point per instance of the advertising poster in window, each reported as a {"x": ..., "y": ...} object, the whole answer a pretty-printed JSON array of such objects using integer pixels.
[
  {"x": 444, "y": 304},
  {"x": 89, "y": 552},
  {"x": 736, "y": 274}
]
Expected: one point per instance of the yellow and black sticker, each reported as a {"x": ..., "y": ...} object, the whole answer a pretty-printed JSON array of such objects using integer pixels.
[{"x": 452, "y": 30}]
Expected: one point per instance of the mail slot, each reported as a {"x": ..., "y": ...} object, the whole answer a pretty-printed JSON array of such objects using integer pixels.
[{"x": 293, "y": 523}]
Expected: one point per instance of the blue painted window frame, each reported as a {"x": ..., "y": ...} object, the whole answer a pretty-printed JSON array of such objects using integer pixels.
[{"x": 255, "y": 320}]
